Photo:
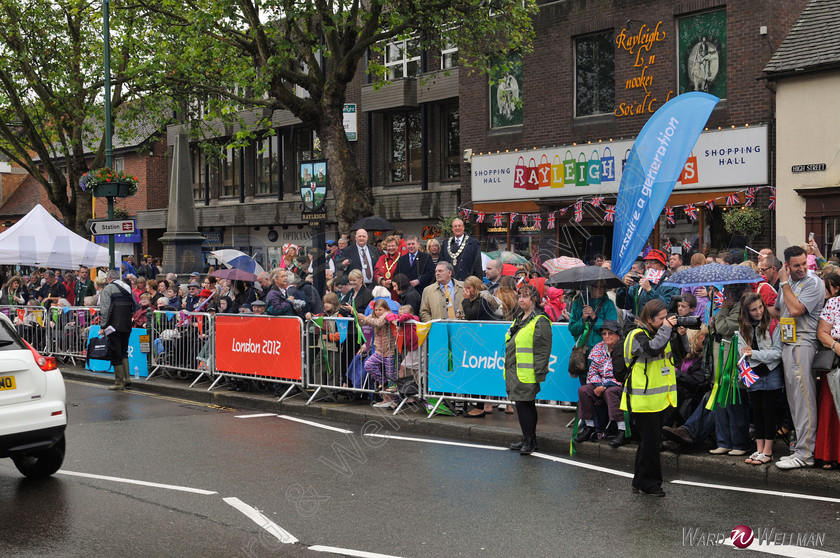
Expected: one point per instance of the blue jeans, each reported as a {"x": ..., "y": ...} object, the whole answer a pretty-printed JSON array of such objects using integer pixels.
[
  {"x": 701, "y": 423},
  {"x": 732, "y": 425}
]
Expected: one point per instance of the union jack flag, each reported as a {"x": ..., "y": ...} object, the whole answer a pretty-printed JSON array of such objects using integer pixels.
[
  {"x": 669, "y": 215},
  {"x": 538, "y": 221},
  {"x": 551, "y": 217},
  {"x": 750, "y": 194},
  {"x": 710, "y": 204},
  {"x": 772, "y": 198},
  {"x": 525, "y": 219},
  {"x": 597, "y": 201},
  {"x": 732, "y": 199},
  {"x": 668, "y": 245},
  {"x": 686, "y": 244},
  {"x": 691, "y": 211},
  {"x": 480, "y": 217},
  {"x": 465, "y": 213},
  {"x": 563, "y": 210},
  {"x": 746, "y": 374},
  {"x": 513, "y": 217},
  {"x": 718, "y": 299},
  {"x": 578, "y": 212},
  {"x": 609, "y": 213},
  {"x": 497, "y": 220}
]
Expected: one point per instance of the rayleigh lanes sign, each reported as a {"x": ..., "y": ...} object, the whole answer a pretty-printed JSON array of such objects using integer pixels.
[
  {"x": 477, "y": 361},
  {"x": 720, "y": 159}
]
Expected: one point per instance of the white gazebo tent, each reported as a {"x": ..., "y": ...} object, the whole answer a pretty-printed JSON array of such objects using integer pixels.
[{"x": 39, "y": 240}]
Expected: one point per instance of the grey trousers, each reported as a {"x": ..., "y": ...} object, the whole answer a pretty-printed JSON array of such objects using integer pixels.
[{"x": 802, "y": 397}]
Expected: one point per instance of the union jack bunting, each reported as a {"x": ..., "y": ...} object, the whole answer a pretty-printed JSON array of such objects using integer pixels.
[
  {"x": 710, "y": 204},
  {"x": 669, "y": 215},
  {"x": 686, "y": 244},
  {"x": 597, "y": 201},
  {"x": 691, "y": 211},
  {"x": 513, "y": 216},
  {"x": 772, "y": 198},
  {"x": 563, "y": 210},
  {"x": 538, "y": 221},
  {"x": 746, "y": 374},
  {"x": 667, "y": 246},
  {"x": 465, "y": 213},
  {"x": 497, "y": 220},
  {"x": 578, "y": 212},
  {"x": 750, "y": 195},
  {"x": 551, "y": 217},
  {"x": 480, "y": 217},
  {"x": 732, "y": 199},
  {"x": 609, "y": 213},
  {"x": 525, "y": 219}
]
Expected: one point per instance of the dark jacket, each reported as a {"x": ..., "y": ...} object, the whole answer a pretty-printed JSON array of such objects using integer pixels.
[
  {"x": 634, "y": 298},
  {"x": 478, "y": 309},
  {"x": 469, "y": 262},
  {"x": 352, "y": 254},
  {"x": 423, "y": 269},
  {"x": 518, "y": 391},
  {"x": 360, "y": 301},
  {"x": 411, "y": 298},
  {"x": 278, "y": 303},
  {"x": 116, "y": 306}
]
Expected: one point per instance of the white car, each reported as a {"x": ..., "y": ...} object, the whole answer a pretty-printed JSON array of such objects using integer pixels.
[{"x": 33, "y": 415}]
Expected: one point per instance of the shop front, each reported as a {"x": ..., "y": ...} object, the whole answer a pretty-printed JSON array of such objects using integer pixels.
[{"x": 563, "y": 199}]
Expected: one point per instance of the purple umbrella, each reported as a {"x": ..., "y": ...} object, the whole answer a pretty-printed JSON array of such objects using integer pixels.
[{"x": 234, "y": 275}]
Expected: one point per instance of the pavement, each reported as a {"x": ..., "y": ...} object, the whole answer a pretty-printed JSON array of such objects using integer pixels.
[{"x": 497, "y": 428}]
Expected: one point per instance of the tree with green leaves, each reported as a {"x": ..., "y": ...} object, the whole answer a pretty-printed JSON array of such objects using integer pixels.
[
  {"x": 52, "y": 86},
  {"x": 262, "y": 54}
]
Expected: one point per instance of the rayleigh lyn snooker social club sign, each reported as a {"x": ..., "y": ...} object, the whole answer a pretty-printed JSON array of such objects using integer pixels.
[{"x": 721, "y": 158}]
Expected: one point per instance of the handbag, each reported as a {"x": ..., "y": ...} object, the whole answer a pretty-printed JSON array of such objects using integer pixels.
[
  {"x": 97, "y": 349},
  {"x": 579, "y": 359},
  {"x": 824, "y": 359}
]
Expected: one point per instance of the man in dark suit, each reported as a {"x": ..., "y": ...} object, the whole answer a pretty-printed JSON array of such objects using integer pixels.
[
  {"x": 361, "y": 256},
  {"x": 416, "y": 265},
  {"x": 463, "y": 252}
]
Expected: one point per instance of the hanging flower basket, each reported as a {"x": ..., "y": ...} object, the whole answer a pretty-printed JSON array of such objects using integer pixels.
[
  {"x": 746, "y": 221},
  {"x": 105, "y": 182}
]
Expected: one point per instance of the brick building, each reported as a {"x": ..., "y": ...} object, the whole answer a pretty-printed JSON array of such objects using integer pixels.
[{"x": 597, "y": 71}]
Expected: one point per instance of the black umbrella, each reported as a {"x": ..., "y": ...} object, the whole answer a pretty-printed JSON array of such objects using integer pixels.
[
  {"x": 373, "y": 223},
  {"x": 574, "y": 277}
]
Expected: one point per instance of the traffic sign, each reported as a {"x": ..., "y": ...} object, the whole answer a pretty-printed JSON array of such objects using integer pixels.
[{"x": 115, "y": 226}]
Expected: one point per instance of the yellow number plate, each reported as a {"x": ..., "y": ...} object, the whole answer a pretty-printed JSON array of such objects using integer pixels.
[{"x": 7, "y": 382}]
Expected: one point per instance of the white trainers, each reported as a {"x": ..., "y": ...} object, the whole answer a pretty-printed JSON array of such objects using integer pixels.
[
  {"x": 793, "y": 463},
  {"x": 383, "y": 404}
]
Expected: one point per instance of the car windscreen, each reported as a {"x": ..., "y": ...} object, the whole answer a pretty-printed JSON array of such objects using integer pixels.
[{"x": 9, "y": 339}]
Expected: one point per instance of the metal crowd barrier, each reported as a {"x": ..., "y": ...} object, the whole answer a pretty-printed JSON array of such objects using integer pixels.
[
  {"x": 31, "y": 323},
  {"x": 182, "y": 344},
  {"x": 335, "y": 367},
  {"x": 68, "y": 330},
  {"x": 260, "y": 347}
]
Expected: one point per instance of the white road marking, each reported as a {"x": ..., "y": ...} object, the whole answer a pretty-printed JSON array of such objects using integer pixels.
[
  {"x": 789, "y": 550},
  {"x": 257, "y": 416},
  {"x": 758, "y": 491},
  {"x": 584, "y": 465},
  {"x": 441, "y": 442},
  {"x": 349, "y": 552},
  {"x": 141, "y": 483},
  {"x": 316, "y": 424},
  {"x": 254, "y": 515}
]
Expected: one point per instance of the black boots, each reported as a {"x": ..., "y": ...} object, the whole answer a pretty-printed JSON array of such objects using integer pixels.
[{"x": 529, "y": 446}]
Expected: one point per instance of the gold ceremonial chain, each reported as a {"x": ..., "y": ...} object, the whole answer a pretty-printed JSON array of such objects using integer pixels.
[
  {"x": 388, "y": 268},
  {"x": 457, "y": 254}
]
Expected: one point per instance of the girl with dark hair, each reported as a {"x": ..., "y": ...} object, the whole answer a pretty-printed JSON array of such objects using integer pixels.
[
  {"x": 650, "y": 389},
  {"x": 527, "y": 352},
  {"x": 760, "y": 341}
]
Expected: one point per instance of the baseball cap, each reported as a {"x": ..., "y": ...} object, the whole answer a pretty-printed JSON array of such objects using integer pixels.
[
  {"x": 611, "y": 325},
  {"x": 205, "y": 293}
]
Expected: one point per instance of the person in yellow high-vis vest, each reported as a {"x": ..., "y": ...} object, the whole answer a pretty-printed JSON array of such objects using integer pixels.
[
  {"x": 650, "y": 389},
  {"x": 527, "y": 353}
]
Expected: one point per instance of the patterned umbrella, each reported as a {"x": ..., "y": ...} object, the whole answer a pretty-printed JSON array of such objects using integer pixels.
[
  {"x": 235, "y": 259},
  {"x": 563, "y": 262},
  {"x": 508, "y": 257},
  {"x": 713, "y": 274}
]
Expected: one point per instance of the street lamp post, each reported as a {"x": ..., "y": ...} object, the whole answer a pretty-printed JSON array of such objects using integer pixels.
[{"x": 109, "y": 148}]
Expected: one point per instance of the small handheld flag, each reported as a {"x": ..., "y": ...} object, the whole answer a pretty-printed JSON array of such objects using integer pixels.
[{"x": 745, "y": 372}]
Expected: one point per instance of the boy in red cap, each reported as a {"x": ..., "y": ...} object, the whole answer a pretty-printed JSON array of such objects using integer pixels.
[{"x": 640, "y": 289}]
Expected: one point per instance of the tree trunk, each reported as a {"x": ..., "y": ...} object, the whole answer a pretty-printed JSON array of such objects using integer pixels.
[{"x": 353, "y": 194}]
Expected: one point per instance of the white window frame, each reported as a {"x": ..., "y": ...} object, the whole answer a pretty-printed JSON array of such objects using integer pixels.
[
  {"x": 451, "y": 48},
  {"x": 404, "y": 60}
]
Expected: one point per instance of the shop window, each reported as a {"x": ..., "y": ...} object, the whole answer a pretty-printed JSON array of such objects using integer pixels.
[
  {"x": 702, "y": 53},
  {"x": 402, "y": 58},
  {"x": 451, "y": 143},
  {"x": 595, "y": 74},
  {"x": 268, "y": 165},
  {"x": 230, "y": 172},
  {"x": 198, "y": 159},
  {"x": 404, "y": 147}
]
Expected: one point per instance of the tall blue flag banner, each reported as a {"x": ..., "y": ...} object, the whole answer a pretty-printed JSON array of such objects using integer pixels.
[{"x": 655, "y": 163}]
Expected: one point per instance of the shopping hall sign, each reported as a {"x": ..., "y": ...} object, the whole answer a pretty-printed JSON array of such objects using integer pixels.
[{"x": 720, "y": 159}]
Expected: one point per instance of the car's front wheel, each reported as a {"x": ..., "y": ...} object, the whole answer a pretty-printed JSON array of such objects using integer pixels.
[{"x": 42, "y": 463}]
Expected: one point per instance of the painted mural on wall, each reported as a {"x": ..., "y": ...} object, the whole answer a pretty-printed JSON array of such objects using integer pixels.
[
  {"x": 702, "y": 52},
  {"x": 506, "y": 94}
]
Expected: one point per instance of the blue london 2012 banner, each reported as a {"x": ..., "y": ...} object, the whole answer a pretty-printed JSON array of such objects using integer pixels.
[
  {"x": 656, "y": 160},
  {"x": 478, "y": 361}
]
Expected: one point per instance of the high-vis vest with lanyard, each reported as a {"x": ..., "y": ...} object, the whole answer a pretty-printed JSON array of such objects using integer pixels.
[
  {"x": 651, "y": 383},
  {"x": 524, "y": 342}
]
